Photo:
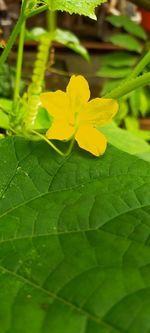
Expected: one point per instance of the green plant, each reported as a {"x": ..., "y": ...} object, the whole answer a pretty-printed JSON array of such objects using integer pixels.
[
  {"x": 74, "y": 230},
  {"x": 7, "y": 81},
  {"x": 117, "y": 66}
]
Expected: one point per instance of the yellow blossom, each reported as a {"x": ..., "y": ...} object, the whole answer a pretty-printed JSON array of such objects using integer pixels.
[{"x": 75, "y": 116}]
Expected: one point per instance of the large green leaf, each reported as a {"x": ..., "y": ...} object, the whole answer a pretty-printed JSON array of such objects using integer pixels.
[
  {"x": 74, "y": 249},
  {"x": 84, "y": 7}
]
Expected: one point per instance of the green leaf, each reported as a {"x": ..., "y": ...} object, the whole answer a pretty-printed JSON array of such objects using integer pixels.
[
  {"x": 123, "y": 111},
  {"x": 144, "y": 101},
  {"x": 115, "y": 73},
  {"x": 63, "y": 37},
  {"x": 125, "y": 22},
  {"x": 119, "y": 59},
  {"x": 68, "y": 39},
  {"x": 109, "y": 85},
  {"x": 126, "y": 41},
  {"x": 6, "y": 105},
  {"x": 4, "y": 120},
  {"x": 131, "y": 123},
  {"x": 36, "y": 33},
  {"x": 126, "y": 141},
  {"x": 5, "y": 110},
  {"x": 82, "y": 7},
  {"x": 134, "y": 100},
  {"x": 75, "y": 254},
  {"x": 43, "y": 120}
]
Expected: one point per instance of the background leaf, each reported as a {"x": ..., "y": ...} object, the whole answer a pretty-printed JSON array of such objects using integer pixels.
[
  {"x": 118, "y": 59},
  {"x": 115, "y": 73},
  {"x": 130, "y": 26},
  {"x": 126, "y": 41},
  {"x": 74, "y": 247}
]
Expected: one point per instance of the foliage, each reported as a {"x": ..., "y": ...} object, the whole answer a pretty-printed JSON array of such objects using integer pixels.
[
  {"x": 61, "y": 36},
  {"x": 128, "y": 142},
  {"x": 115, "y": 67},
  {"x": 74, "y": 241},
  {"x": 7, "y": 81},
  {"x": 131, "y": 36},
  {"x": 122, "y": 21},
  {"x": 84, "y": 7},
  {"x": 74, "y": 230}
]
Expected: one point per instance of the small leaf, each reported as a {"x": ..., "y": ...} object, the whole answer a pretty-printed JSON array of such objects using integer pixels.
[
  {"x": 123, "y": 111},
  {"x": 115, "y": 73},
  {"x": 6, "y": 105},
  {"x": 122, "y": 21},
  {"x": 126, "y": 41},
  {"x": 68, "y": 39},
  {"x": 36, "y": 33},
  {"x": 119, "y": 59},
  {"x": 134, "y": 101},
  {"x": 43, "y": 120},
  {"x": 132, "y": 124},
  {"x": 144, "y": 101},
  {"x": 4, "y": 120},
  {"x": 126, "y": 141}
]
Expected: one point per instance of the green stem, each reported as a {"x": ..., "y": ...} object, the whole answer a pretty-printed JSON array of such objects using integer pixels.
[
  {"x": 19, "y": 65},
  {"x": 72, "y": 142},
  {"x": 43, "y": 137},
  {"x": 12, "y": 40},
  {"x": 37, "y": 11},
  {"x": 129, "y": 86},
  {"x": 17, "y": 28},
  {"x": 141, "y": 65},
  {"x": 51, "y": 21}
]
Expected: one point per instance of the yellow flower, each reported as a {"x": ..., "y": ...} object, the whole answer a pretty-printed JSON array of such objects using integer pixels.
[{"x": 75, "y": 116}]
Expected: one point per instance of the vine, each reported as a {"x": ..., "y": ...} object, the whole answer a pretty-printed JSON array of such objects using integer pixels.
[{"x": 35, "y": 88}]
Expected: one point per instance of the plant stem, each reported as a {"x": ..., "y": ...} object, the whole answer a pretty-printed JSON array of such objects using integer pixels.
[
  {"x": 141, "y": 65},
  {"x": 51, "y": 21},
  {"x": 12, "y": 40},
  {"x": 19, "y": 65},
  {"x": 37, "y": 11},
  {"x": 129, "y": 86},
  {"x": 14, "y": 34},
  {"x": 70, "y": 147},
  {"x": 43, "y": 137}
]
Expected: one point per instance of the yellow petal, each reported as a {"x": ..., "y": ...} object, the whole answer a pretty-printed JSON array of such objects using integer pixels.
[
  {"x": 90, "y": 139},
  {"x": 60, "y": 131},
  {"x": 78, "y": 91},
  {"x": 56, "y": 103},
  {"x": 99, "y": 111}
]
